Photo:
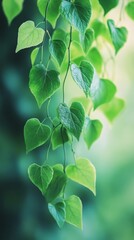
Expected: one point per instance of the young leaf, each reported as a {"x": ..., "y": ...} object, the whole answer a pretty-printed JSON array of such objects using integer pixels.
[
  {"x": 12, "y": 8},
  {"x": 53, "y": 10},
  {"x": 73, "y": 118},
  {"x": 108, "y": 5},
  {"x": 43, "y": 83},
  {"x": 78, "y": 13},
  {"x": 92, "y": 130},
  {"x": 100, "y": 30},
  {"x": 40, "y": 176},
  {"x": 57, "y": 49},
  {"x": 29, "y": 36},
  {"x": 101, "y": 91},
  {"x": 74, "y": 211},
  {"x": 58, "y": 212},
  {"x": 35, "y": 134},
  {"x": 83, "y": 75},
  {"x": 118, "y": 35},
  {"x": 58, "y": 137},
  {"x": 87, "y": 39},
  {"x": 83, "y": 173},
  {"x": 96, "y": 59},
  {"x": 112, "y": 109},
  {"x": 130, "y": 9},
  {"x": 57, "y": 185}
]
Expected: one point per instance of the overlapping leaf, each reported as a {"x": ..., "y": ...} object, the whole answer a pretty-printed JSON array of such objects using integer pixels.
[{"x": 58, "y": 212}]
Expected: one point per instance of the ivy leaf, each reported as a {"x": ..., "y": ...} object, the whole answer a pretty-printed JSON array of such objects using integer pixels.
[
  {"x": 130, "y": 9},
  {"x": 73, "y": 118},
  {"x": 58, "y": 212},
  {"x": 29, "y": 36},
  {"x": 87, "y": 39},
  {"x": 100, "y": 30},
  {"x": 57, "y": 49},
  {"x": 112, "y": 109},
  {"x": 83, "y": 75},
  {"x": 40, "y": 176},
  {"x": 78, "y": 13},
  {"x": 58, "y": 137},
  {"x": 118, "y": 35},
  {"x": 57, "y": 185},
  {"x": 74, "y": 211},
  {"x": 108, "y": 5},
  {"x": 35, "y": 134},
  {"x": 12, "y": 8},
  {"x": 92, "y": 130},
  {"x": 101, "y": 91},
  {"x": 34, "y": 54},
  {"x": 43, "y": 83},
  {"x": 83, "y": 173},
  {"x": 60, "y": 34},
  {"x": 96, "y": 59},
  {"x": 52, "y": 12},
  {"x": 84, "y": 101}
]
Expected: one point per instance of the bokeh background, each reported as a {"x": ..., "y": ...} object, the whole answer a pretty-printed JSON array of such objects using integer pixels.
[{"x": 23, "y": 210}]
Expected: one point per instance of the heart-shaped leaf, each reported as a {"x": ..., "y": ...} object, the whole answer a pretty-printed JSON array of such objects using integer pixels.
[
  {"x": 87, "y": 39},
  {"x": 58, "y": 137},
  {"x": 29, "y": 35},
  {"x": 40, "y": 176},
  {"x": 78, "y": 13},
  {"x": 92, "y": 130},
  {"x": 108, "y": 5},
  {"x": 58, "y": 212},
  {"x": 57, "y": 49},
  {"x": 43, "y": 83},
  {"x": 96, "y": 59},
  {"x": 73, "y": 118},
  {"x": 35, "y": 134},
  {"x": 74, "y": 211},
  {"x": 118, "y": 35},
  {"x": 12, "y": 8},
  {"x": 83, "y": 75},
  {"x": 130, "y": 9},
  {"x": 83, "y": 173}
]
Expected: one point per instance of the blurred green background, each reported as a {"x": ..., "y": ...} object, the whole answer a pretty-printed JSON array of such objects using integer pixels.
[{"x": 23, "y": 210}]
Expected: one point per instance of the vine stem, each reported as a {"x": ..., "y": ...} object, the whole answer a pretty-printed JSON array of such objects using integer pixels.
[
  {"x": 121, "y": 11},
  {"x": 64, "y": 151},
  {"x": 68, "y": 66}
]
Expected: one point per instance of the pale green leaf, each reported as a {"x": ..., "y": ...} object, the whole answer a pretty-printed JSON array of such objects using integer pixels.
[
  {"x": 29, "y": 35},
  {"x": 35, "y": 134},
  {"x": 34, "y": 54},
  {"x": 96, "y": 59},
  {"x": 130, "y": 9},
  {"x": 12, "y": 8},
  {"x": 84, "y": 173},
  {"x": 58, "y": 212}
]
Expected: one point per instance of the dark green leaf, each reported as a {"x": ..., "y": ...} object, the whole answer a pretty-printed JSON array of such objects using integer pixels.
[
  {"x": 43, "y": 83},
  {"x": 57, "y": 48},
  {"x": 84, "y": 101},
  {"x": 83, "y": 75},
  {"x": 108, "y": 4},
  {"x": 58, "y": 212},
  {"x": 35, "y": 134},
  {"x": 96, "y": 59},
  {"x": 74, "y": 211},
  {"x": 130, "y": 9},
  {"x": 58, "y": 137},
  {"x": 92, "y": 130},
  {"x": 12, "y": 8},
  {"x": 87, "y": 39},
  {"x": 73, "y": 118},
  {"x": 60, "y": 34},
  {"x": 118, "y": 35},
  {"x": 40, "y": 176},
  {"x": 78, "y": 13},
  {"x": 83, "y": 173}
]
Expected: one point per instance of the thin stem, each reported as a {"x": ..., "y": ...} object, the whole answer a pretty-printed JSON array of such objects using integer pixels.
[
  {"x": 121, "y": 11},
  {"x": 73, "y": 152},
  {"x": 68, "y": 66},
  {"x": 64, "y": 151}
]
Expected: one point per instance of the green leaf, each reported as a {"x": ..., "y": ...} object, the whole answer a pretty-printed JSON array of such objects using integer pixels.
[
  {"x": 29, "y": 36},
  {"x": 83, "y": 173},
  {"x": 57, "y": 49},
  {"x": 78, "y": 13},
  {"x": 83, "y": 75},
  {"x": 73, "y": 118},
  {"x": 40, "y": 176},
  {"x": 58, "y": 137},
  {"x": 92, "y": 130},
  {"x": 58, "y": 212},
  {"x": 87, "y": 39},
  {"x": 118, "y": 35},
  {"x": 52, "y": 12},
  {"x": 43, "y": 83},
  {"x": 96, "y": 59},
  {"x": 74, "y": 211},
  {"x": 112, "y": 109},
  {"x": 34, "y": 54},
  {"x": 101, "y": 91},
  {"x": 84, "y": 101},
  {"x": 130, "y": 9},
  {"x": 108, "y": 5},
  {"x": 12, "y": 8},
  {"x": 100, "y": 30},
  {"x": 35, "y": 134},
  {"x": 57, "y": 185},
  {"x": 60, "y": 34}
]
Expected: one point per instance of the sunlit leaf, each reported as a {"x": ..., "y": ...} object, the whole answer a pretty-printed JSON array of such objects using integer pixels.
[
  {"x": 12, "y": 8},
  {"x": 58, "y": 212}
]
